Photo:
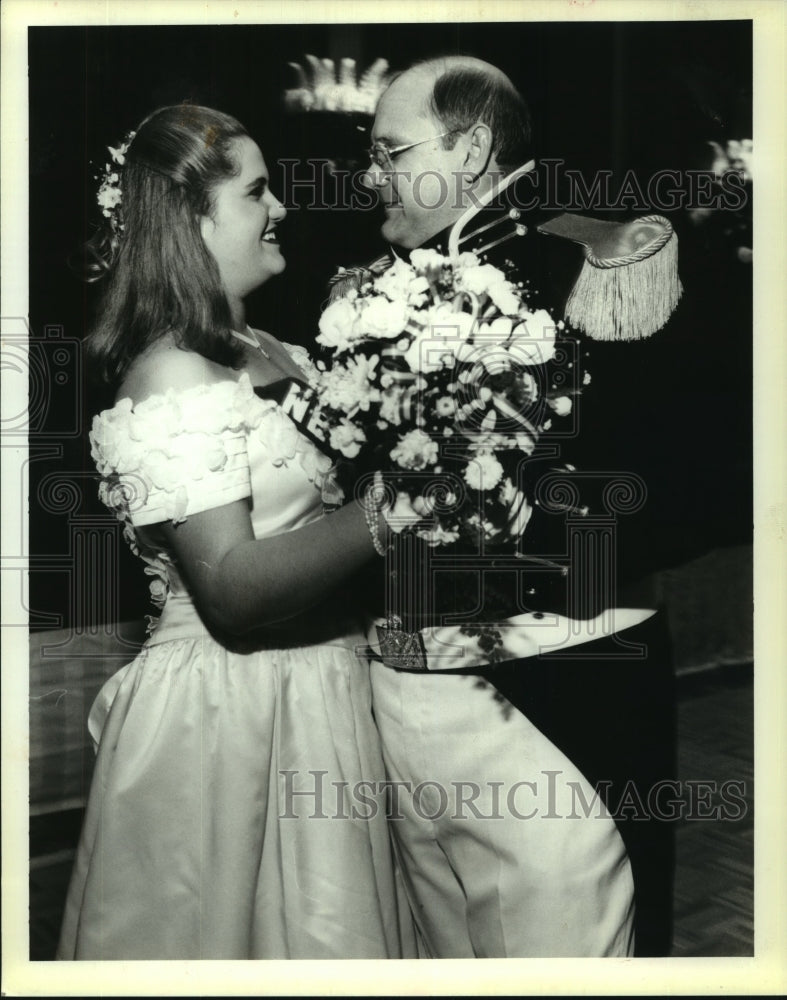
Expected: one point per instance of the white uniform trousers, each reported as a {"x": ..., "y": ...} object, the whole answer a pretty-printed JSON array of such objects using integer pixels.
[{"x": 505, "y": 850}]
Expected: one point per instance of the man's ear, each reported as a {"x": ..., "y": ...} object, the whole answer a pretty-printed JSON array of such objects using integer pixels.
[{"x": 479, "y": 149}]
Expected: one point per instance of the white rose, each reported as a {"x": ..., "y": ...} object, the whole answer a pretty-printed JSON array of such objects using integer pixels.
[
  {"x": 496, "y": 332},
  {"x": 338, "y": 325},
  {"x": 481, "y": 278},
  {"x": 417, "y": 291},
  {"x": 427, "y": 354},
  {"x": 442, "y": 339},
  {"x": 381, "y": 318},
  {"x": 485, "y": 279},
  {"x": 444, "y": 321},
  {"x": 426, "y": 260},
  {"x": 395, "y": 282},
  {"x": 505, "y": 298},
  {"x": 467, "y": 259},
  {"x": 347, "y": 438},
  {"x": 533, "y": 340}
]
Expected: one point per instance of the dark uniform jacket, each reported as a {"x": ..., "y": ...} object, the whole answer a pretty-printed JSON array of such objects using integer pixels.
[
  {"x": 669, "y": 416},
  {"x": 649, "y": 420}
]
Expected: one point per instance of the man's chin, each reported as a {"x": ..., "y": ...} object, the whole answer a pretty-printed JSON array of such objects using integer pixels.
[{"x": 394, "y": 231}]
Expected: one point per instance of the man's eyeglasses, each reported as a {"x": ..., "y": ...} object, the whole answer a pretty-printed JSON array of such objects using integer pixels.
[{"x": 382, "y": 156}]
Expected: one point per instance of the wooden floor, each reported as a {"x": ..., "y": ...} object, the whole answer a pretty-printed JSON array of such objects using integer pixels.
[
  {"x": 713, "y": 885},
  {"x": 714, "y": 871}
]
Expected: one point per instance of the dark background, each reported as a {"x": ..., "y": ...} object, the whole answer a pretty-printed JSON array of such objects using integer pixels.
[{"x": 642, "y": 96}]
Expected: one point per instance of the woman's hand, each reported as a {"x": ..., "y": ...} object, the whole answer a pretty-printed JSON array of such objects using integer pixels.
[
  {"x": 401, "y": 511},
  {"x": 406, "y": 511}
]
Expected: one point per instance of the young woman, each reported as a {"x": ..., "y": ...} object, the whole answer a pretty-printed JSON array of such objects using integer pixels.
[{"x": 226, "y": 818}]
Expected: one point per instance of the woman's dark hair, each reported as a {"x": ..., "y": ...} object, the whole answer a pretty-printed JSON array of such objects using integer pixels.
[
  {"x": 160, "y": 275},
  {"x": 466, "y": 94}
]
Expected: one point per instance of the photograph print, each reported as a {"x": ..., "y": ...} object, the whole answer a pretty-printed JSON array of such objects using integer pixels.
[{"x": 389, "y": 457}]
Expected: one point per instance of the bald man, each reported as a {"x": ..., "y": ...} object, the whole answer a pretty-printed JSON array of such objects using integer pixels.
[{"x": 505, "y": 849}]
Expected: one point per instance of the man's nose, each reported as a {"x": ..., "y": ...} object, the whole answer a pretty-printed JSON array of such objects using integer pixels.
[{"x": 374, "y": 176}]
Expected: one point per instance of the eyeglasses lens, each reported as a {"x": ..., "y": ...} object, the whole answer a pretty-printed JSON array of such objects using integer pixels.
[{"x": 380, "y": 157}]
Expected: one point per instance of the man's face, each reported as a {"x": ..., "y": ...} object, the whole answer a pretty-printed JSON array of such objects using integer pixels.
[{"x": 423, "y": 196}]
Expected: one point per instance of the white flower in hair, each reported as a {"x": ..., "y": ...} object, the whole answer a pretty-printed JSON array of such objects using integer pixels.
[
  {"x": 108, "y": 198},
  {"x": 110, "y": 194},
  {"x": 119, "y": 154}
]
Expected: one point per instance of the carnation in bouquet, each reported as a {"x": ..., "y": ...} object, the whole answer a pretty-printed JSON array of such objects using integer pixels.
[{"x": 442, "y": 377}]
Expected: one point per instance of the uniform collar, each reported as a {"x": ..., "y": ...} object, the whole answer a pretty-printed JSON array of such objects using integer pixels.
[
  {"x": 488, "y": 222},
  {"x": 469, "y": 224}
]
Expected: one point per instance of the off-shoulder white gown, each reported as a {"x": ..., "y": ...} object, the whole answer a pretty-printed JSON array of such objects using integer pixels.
[{"x": 193, "y": 844}]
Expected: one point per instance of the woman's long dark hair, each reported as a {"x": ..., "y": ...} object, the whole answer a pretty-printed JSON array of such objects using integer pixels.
[{"x": 160, "y": 275}]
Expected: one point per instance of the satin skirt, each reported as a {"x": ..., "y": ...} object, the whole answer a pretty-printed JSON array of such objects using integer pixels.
[{"x": 219, "y": 824}]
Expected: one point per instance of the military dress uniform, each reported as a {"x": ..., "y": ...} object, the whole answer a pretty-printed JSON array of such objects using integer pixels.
[{"x": 591, "y": 715}]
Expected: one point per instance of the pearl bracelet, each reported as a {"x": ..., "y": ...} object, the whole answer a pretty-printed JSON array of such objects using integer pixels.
[{"x": 373, "y": 500}]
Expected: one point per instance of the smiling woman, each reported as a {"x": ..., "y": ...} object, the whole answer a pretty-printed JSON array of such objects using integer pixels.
[
  {"x": 240, "y": 230},
  {"x": 194, "y": 845}
]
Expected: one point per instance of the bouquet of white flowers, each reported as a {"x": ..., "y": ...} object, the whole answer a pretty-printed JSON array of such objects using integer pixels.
[{"x": 442, "y": 377}]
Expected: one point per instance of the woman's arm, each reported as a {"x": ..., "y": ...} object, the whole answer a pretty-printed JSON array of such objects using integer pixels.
[{"x": 242, "y": 583}]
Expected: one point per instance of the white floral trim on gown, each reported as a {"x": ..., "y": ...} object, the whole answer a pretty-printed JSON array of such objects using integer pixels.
[{"x": 193, "y": 845}]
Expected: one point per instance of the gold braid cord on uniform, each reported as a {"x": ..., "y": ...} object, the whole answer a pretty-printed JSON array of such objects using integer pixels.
[{"x": 349, "y": 278}]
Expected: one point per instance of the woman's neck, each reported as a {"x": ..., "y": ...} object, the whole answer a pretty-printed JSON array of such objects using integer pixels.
[{"x": 238, "y": 313}]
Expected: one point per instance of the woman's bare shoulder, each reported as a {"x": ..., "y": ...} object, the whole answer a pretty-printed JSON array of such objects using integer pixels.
[{"x": 164, "y": 366}]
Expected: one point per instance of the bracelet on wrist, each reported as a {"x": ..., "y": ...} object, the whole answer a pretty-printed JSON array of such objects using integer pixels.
[{"x": 373, "y": 500}]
